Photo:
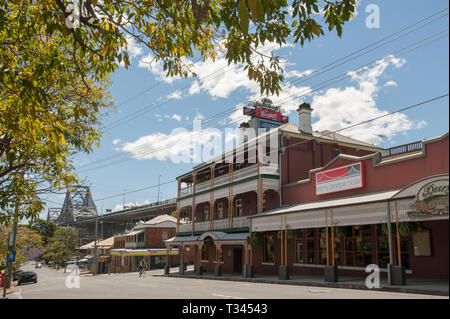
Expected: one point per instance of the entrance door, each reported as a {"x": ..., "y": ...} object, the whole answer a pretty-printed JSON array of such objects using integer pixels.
[{"x": 237, "y": 260}]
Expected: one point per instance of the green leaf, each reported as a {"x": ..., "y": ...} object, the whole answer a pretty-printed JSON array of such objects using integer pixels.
[{"x": 243, "y": 17}]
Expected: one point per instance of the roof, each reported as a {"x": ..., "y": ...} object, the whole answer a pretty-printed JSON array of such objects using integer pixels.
[
  {"x": 353, "y": 200},
  {"x": 134, "y": 232},
  {"x": 107, "y": 242},
  {"x": 322, "y": 136},
  {"x": 216, "y": 236},
  {"x": 159, "y": 221},
  {"x": 87, "y": 246}
]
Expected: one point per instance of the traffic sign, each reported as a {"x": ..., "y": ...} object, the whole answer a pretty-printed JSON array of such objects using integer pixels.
[{"x": 12, "y": 256}]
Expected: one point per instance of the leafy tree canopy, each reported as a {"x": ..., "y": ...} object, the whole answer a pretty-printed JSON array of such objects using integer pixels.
[
  {"x": 56, "y": 57},
  {"x": 44, "y": 227},
  {"x": 28, "y": 242}
]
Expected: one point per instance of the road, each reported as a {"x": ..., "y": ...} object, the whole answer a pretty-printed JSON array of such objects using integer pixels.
[{"x": 52, "y": 285}]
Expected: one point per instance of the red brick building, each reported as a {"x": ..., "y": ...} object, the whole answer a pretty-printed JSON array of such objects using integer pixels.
[
  {"x": 234, "y": 214},
  {"x": 145, "y": 241}
]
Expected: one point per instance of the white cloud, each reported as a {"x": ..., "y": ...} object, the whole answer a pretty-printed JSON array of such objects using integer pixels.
[
  {"x": 176, "y": 117},
  {"x": 341, "y": 107},
  {"x": 195, "y": 88},
  {"x": 133, "y": 48},
  {"x": 162, "y": 146},
  {"x": 174, "y": 95},
  {"x": 422, "y": 124},
  {"x": 116, "y": 141},
  {"x": 390, "y": 83}
]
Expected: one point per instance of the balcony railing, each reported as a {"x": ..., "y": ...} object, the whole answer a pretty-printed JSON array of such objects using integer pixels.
[
  {"x": 237, "y": 175},
  {"x": 407, "y": 148},
  {"x": 219, "y": 224}
]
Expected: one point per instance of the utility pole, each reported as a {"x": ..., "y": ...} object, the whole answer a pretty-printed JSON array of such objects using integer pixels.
[
  {"x": 11, "y": 247},
  {"x": 95, "y": 246}
]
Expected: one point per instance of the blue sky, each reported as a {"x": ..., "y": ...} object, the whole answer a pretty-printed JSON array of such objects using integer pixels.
[{"x": 151, "y": 106}]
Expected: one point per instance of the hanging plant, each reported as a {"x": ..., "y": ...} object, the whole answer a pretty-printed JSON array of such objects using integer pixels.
[
  {"x": 255, "y": 239},
  {"x": 403, "y": 228}
]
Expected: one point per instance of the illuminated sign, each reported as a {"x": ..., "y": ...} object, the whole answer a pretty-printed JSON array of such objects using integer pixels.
[
  {"x": 340, "y": 179},
  {"x": 268, "y": 114}
]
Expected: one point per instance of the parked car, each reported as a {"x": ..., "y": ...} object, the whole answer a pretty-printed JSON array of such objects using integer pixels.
[
  {"x": 27, "y": 276},
  {"x": 38, "y": 264},
  {"x": 17, "y": 273}
]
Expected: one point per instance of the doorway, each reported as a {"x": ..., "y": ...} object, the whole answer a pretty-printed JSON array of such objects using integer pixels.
[{"x": 237, "y": 260}]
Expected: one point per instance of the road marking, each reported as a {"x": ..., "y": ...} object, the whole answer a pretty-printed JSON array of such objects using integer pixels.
[
  {"x": 318, "y": 290},
  {"x": 227, "y": 297},
  {"x": 144, "y": 285}
]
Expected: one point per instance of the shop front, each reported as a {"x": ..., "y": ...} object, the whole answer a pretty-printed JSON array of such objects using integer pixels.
[{"x": 353, "y": 232}]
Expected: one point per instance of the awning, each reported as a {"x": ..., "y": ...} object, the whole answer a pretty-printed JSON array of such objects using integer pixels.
[
  {"x": 181, "y": 239},
  {"x": 134, "y": 232},
  {"x": 355, "y": 210},
  {"x": 143, "y": 252}
]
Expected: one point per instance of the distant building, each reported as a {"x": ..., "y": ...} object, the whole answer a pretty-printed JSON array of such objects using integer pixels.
[{"x": 146, "y": 241}]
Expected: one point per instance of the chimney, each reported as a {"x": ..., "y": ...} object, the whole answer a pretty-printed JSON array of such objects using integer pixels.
[
  {"x": 243, "y": 137},
  {"x": 304, "y": 118}
]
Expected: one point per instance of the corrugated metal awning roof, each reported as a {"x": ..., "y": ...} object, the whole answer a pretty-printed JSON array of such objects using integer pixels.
[{"x": 353, "y": 200}]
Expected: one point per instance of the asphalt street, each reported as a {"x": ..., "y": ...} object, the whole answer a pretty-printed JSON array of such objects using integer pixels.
[{"x": 52, "y": 285}]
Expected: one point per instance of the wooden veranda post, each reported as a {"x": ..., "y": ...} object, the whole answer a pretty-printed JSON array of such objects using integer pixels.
[
  {"x": 285, "y": 241},
  {"x": 326, "y": 238},
  {"x": 399, "y": 256},
  {"x": 332, "y": 238},
  {"x": 281, "y": 241}
]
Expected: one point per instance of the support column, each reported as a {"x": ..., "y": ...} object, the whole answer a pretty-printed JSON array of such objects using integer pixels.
[
  {"x": 230, "y": 195},
  {"x": 167, "y": 266},
  {"x": 284, "y": 273},
  {"x": 211, "y": 198},
  {"x": 218, "y": 267},
  {"x": 181, "y": 254},
  {"x": 199, "y": 268},
  {"x": 331, "y": 272},
  {"x": 178, "y": 206},
  {"x": 397, "y": 273},
  {"x": 193, "y": 210}
]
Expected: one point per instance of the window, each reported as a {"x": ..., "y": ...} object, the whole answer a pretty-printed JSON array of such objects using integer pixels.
[
  {"x": 383, "y": 248},
  {"x": 164, "y": 235},
  {"x": 268, "y": 249},
  {"x": 220, "y": 210},
  {"x": 206, "y": 212},
  {"x": 310, "y": 246},
  {"x": 358, "y": 247},
  {"x": 323, "y": 248},
  {"x": 238, "y": 208},
  {"x": 300, "y": 254},
  {"x": 264, "y": 202}
]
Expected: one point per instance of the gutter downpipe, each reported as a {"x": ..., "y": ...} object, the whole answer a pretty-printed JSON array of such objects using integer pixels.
[{"x": 279, "y": 167}]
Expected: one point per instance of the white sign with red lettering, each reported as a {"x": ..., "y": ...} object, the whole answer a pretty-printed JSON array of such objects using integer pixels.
[{"x": 340, "y": 179}]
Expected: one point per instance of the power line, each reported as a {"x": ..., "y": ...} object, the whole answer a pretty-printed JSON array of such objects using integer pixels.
[
  {"x": 308, "y": 91},
  {"x": 313, "y": 74},
  {"x": 316, "y": 72},
  {"x": 305, "y": 141}
]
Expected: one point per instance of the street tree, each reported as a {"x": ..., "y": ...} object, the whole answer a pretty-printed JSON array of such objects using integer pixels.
[
  {"x": 56, "y": 57},
  {"x": 44, "y": 227},
  {"x": 61, "y": 246},
  {"x": 28, "y": 245}
]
